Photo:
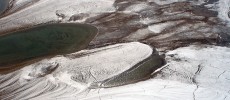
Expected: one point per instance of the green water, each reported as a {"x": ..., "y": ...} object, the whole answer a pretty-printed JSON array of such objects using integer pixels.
[
  {"x": 138, "y": 72},
  {"x": 3, "y": 5},
  {"x": 44, "y": 40}
]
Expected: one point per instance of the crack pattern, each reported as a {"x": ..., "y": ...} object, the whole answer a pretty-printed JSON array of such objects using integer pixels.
[{"x": 195, "y": 81}]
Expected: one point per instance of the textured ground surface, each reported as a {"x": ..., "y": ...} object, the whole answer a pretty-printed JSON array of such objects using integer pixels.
[
  {"x": 193, "y": 35},
  {"x": 80, "y": 72}
]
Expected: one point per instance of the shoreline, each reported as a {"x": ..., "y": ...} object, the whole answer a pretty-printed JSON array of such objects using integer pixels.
[{"x": 3, "y": 6}]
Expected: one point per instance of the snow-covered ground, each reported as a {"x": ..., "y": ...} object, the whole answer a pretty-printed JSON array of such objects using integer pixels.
[
  {"x": 191, "y": 73},
  {"x": 145, "y": 21},
  {"x": 44, "y": 11},
  {"x": 80, "y": 71},
  {"x": 224, "y": 9},
  {"x": 205, "y": 66},
  {"x": 188, "y": 32}
]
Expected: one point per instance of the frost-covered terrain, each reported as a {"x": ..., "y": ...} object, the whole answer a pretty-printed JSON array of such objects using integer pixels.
[
  {"x": 79, "y": 72},
  {"x": 193, "y": 37}
]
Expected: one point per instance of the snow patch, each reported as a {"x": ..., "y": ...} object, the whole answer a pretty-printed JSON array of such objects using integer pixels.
[
  {"x": 158, "y": 28},
  {"x": 224, "y": 11},
  {"x": 70, "y": 75},
  {"x": 32, "y": 16},
  {"x": 136, "y": 7}
]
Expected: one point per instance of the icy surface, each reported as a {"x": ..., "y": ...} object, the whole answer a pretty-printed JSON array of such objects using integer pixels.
[
  {"x": 157, "y": 22},
  {"x": 224, "y": 9},
  {"x": 73, "y": 72},
  {"x": 187, "y": 32},
  {"x": 192, "y": 73},
  {"x": 207, "y": 67},
  {"x": 49, "y": 10}
]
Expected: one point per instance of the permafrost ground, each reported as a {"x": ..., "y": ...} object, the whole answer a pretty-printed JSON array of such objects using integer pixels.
[{"x": 193, "y": 35}]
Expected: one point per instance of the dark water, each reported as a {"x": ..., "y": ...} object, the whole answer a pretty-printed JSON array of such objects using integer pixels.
[
  {"x": 3, "y": 5},
  {"x": 44, "y": 40},
  {"x": 140, "y": 71}
]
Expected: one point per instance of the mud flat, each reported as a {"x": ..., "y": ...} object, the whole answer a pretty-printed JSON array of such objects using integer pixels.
[{"x": 44, "y": 40}]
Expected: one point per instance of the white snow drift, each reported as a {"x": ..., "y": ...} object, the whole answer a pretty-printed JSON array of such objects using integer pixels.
[
  {"x": 72, "y": 73},
  {"x": 191, "y": 73},
  {"x": 46, "y": 10}
]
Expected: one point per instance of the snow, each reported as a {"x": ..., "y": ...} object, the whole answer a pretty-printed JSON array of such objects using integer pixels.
[
  {"x": 156, "y": 89},
  {"x": 173, "y": 87},
  {"x": 139, "y": 34},
  {"x": 204, "y": 66},
  {"x": 136, "y": 7},
  {"x": 154, "y": 29},
  {"x": 74, "y": 72},
  {"x": 31, "y": 15},
  {"x": 20, "y": 4},
  {"x": 193, "y": 72},
  {"x": 196, "y": 72},
  {"x": 65, "y": 77},
  {"x": 158, "y": 28},
  {"x": 97, "y": 62},
  {"x": 224, "y": 8}
]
